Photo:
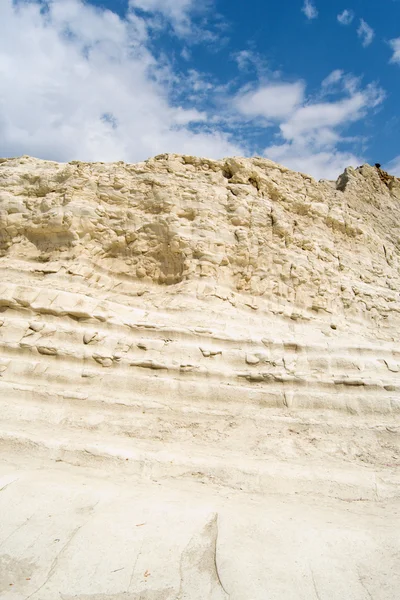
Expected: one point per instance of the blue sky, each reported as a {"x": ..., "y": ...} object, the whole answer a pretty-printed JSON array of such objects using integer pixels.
[{"x": 312, "y": 84}]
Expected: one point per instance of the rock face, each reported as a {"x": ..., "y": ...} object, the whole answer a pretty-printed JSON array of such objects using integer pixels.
[{"x": 199, "y": 381}]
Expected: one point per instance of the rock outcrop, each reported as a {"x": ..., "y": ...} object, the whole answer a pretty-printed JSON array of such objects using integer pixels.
[{"x": 219, "y": 336}]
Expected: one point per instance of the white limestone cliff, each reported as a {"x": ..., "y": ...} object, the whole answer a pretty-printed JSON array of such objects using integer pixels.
[{"x": 200, "y": 360}]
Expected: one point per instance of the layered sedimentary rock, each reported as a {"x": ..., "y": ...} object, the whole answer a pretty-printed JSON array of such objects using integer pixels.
[{"x": 220, "y": 337}]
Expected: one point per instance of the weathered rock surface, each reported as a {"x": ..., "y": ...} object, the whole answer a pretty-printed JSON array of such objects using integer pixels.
[{"x": 199, "y": 381}]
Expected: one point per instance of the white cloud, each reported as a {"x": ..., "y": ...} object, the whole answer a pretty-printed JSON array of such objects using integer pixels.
[
  {"x": 81, "y": 83},
  {"x": 337, "y": 82},
  {"x": 247, "y": 60},
  {"x": 365, "y": 33},
  {"x": 271, "y": 101},
  {"x": 244, "y": 59},
  {"x": 176, "y": 12},
  {"x": 346, "y": 17},
  {"x": 332, "y": 79},
  {"x": 313, "y": 134},
  {"x": 309, "y": 9},
  {"x": 395, "y": 45},
  {"x": 313, "y": 117},
  {"x": 323, "y": 165},
  {"x": 90, "y": 88},
  {"x": 393, "y": 167}
]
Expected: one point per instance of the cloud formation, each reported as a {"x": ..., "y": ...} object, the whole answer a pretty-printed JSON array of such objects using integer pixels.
[
  {"x": 332, "y": 79},
  {"x": 312, "y": 135},
  {"x": 271, "y": 100},
  {"x": 312, "y": 128},
  {"x": 393, "y": 167},
  {"x": 176, "y": 12},
  {"x": 309, "y": 9},
  {"x": 365, "y": 33},
  {"x": 395, "y": 45},
  {"x": 346, "y": 17},
  {"x": 89, "y": 88}
]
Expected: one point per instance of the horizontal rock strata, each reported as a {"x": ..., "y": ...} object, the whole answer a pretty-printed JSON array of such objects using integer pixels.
[{"x": 227, "y": 325}]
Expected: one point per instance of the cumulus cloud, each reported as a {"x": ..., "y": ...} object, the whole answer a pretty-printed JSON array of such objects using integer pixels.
[
  {"x": 395, "y": 45},
  {"x": 313, "y": 133},
  {"x": 393, "y": 167},
  {"x": 346, "y": 17},
  {"x": 333, "y": 78},
  {"x": 271, "y": 100},
  {"x": 312, "y": 129},
  {"x": 247, "y": 61},
  {"x": 311, "y": 118},
  {"x": 309, "y": 9},
  {"x": 365, "y": 33},
  {"x": 176, "y": 12},
  {"x": 82, "y": 83},
  {"x": 322, "y": 164}
]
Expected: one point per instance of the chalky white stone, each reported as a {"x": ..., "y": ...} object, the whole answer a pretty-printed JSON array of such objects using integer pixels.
[{"x": 199, "y": 381}]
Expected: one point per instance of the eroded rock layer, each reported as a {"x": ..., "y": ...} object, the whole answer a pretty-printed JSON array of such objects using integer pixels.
[{"x": 229, "y": 323}]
